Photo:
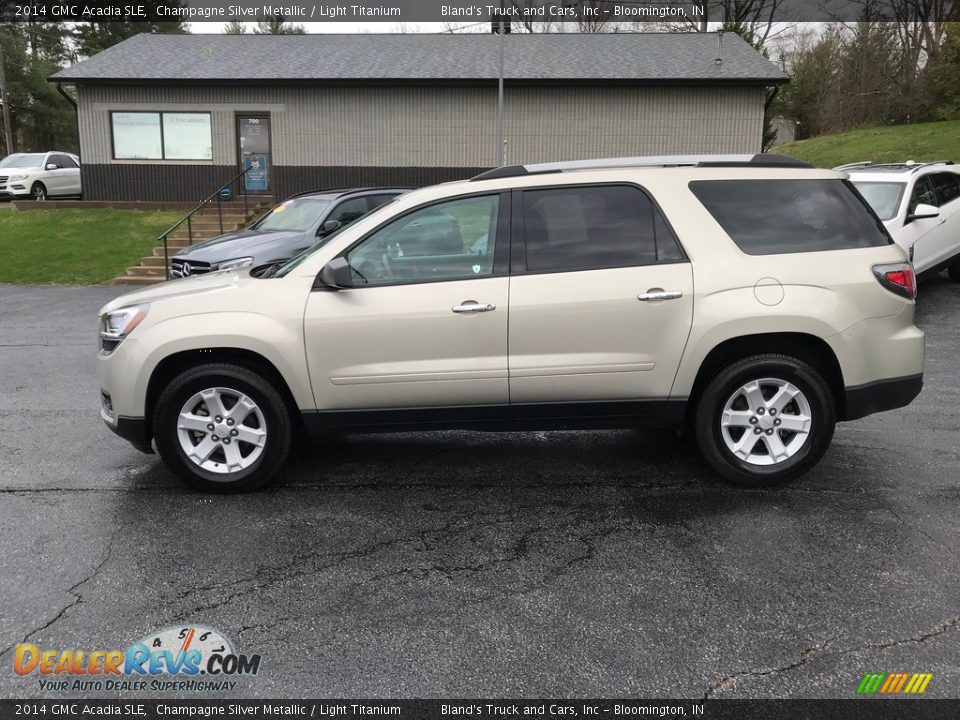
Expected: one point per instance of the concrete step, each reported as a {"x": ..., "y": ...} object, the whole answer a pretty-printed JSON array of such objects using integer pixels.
[
  {"x": 184, "y": 240},
  {"x": 205, "y": 225},
  {"x": 133, "y": 280},
  {"x": 142, "y": 271},
  {"x": 210, "y": 225},
  {"x": 172, "y": 247}
]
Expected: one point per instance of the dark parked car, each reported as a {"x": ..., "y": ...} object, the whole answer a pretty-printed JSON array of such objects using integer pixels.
[{"x": 287, "y": 230}]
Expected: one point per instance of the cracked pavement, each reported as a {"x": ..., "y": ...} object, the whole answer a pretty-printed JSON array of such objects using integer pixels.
[{"x": 458, "y": 564}]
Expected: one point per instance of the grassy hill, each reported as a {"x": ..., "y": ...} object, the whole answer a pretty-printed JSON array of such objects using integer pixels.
[
  {"x": 924, "y": 141},
  {"x": 76, "y": 246}
]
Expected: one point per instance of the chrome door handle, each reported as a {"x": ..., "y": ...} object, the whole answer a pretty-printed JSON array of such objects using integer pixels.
[
  {"x": 472, "y": 306},
  {"x": 658, "y": 294}
]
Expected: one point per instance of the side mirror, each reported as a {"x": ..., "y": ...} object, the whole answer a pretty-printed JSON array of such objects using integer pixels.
[
  {"x": 922, "y": 211},
  {"x": 52, "y": 166},
  {"x": 328, "y": 227},
  {"x": 337, "y": 274}
]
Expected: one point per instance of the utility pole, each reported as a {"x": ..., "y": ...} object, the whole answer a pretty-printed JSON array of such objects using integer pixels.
[
  {"x": 5, "y": 101},
  {"x": 501, "y": 27}
]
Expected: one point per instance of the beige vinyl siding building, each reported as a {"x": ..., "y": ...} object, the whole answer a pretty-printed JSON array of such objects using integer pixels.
[{"x": 164, "y": 130}]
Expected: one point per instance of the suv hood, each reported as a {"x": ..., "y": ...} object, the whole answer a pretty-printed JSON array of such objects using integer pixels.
[
  {"x": 196, "y": 285},
  {"x": 236, "y": 244}
]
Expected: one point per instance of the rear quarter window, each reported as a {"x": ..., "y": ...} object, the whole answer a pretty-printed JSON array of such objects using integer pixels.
[{"x": 768, "y": 217}]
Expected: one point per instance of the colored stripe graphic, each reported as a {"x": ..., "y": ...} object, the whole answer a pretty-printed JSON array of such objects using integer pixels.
[
  {"x": 894, "y": 683},
  {"x": 870, "y": 683}
]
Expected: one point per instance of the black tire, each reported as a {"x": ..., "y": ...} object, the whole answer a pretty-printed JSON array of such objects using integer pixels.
[
  {"x": 278, "y": 426},
  {"x": 710, "y": 408},
  {"x": 38, "y": 192},
  {"x": 954, "y": 272}
]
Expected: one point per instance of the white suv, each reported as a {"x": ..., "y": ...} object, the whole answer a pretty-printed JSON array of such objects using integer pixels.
[
  {"x": 39, "y": 176},
  {"x": 919, "y": 204},
  {"x": 752, "y": 297}
]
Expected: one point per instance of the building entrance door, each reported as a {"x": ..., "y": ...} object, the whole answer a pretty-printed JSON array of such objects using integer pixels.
[{"x": 253, "y": 149}]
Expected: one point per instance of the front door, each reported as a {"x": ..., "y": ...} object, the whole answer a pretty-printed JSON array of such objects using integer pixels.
[
  {"x": 254, "y": 152},
  {"x": 601, "y": 300},
  {"x": 919, "y": 233},
  {"x": 942, "y": 241},
  {"x": 68, "y": 174},
  {"x": 425, "y": 325}
]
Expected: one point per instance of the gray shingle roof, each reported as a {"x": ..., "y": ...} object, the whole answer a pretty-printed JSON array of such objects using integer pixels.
[{"x": 642, "y": 57}]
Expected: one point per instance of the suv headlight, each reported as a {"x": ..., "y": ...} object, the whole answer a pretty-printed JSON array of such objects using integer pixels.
[
  {"x": 235, "y": 263},
  {"x": 18, "y": 178},
  {"x": 117, "y": 324}
]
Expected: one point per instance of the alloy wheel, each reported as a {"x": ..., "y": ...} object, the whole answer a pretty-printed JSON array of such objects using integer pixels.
[
  {"x": 221, "y": 430},
  {"x": 766, "y": 421}
]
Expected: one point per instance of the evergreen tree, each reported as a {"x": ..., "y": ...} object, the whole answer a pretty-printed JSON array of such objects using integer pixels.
[{"x": 279, "y": 26}]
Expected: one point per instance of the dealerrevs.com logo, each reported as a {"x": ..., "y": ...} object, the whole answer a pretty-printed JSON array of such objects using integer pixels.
[{"x": 191, "y": 658}]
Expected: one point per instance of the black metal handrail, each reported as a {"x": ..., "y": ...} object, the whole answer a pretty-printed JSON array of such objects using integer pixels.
[{"x": 188, "y": 218}]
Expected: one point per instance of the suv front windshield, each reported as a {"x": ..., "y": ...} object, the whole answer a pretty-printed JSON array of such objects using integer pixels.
[
  {"x": 883, "y": 197},
  {"x": 294, "y": 214},
  {"x": 20, "y": 160}
]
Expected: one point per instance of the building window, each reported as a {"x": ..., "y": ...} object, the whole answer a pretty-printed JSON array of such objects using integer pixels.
[{"x": 161, "y": 136}]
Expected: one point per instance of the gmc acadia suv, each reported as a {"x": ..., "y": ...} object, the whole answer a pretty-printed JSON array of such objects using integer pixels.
[{"x": 752, "y": 298}]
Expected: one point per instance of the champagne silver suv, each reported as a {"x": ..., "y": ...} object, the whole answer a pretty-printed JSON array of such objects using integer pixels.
[{"x": 753, "y": 299}]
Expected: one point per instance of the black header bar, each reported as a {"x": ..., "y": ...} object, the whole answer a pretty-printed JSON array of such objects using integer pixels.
[{"x": 557, "y": 12}]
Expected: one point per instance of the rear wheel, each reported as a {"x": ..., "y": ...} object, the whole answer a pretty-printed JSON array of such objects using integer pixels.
[
  {"x": 38, "y": 191},
  {"x": 764, "y": 420},
  {"x": 222, "y": 428}
]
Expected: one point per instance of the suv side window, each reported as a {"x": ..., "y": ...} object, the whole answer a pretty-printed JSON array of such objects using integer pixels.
[
  {"x": 947, "y": 186},
  {"x": 349, "y": 210},
  {"x": 593, "y": 227},
  {"x": 769, "y": 217},
  {"x": 923, "y": 193},
  {"x": 452, "y": 240}
]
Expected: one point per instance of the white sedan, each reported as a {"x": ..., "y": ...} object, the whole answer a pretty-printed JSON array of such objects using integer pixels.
[
  {"x": 40, "y": 176},
  {"x": 919, "y": 203}
]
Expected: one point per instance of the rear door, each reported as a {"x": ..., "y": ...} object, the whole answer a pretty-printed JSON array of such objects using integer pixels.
[{"x": 601, "y": 301}]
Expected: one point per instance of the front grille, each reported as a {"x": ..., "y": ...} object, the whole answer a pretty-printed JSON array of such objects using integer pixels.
[
  {"x": 3, "y": 181},
  {"x": 108, "y": 345},
  {"x": 179, "y": 267}
]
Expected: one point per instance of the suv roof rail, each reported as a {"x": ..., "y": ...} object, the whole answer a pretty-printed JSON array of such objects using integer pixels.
[
  {"x": 850, "y": 166},
  {"x": 910, "y": 165},
  {"x": 917, "y": 166},
  {"x": 663, "y": 161},
  {"x": 347, "y": 190}
]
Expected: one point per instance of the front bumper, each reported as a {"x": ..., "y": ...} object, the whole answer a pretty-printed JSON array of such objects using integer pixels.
[
  {"x": 8, "y": 194},
  {"x": 132, "y": 429},
  {"x": 881, "y": 395}
]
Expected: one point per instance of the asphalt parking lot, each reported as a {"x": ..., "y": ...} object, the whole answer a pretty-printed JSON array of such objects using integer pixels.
[{"x": 591, "y": 564}]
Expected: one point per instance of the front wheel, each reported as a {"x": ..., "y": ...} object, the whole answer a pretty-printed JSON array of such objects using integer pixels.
[
  {"x": 954, "y": 271},
  {"x": 38, "y": 191},
  {"x": 765, "y": 420},
  {"x": 222, "y": 428}
]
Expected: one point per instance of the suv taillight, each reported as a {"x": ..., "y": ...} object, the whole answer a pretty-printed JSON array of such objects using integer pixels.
[{"x": 898, "y": 278}]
